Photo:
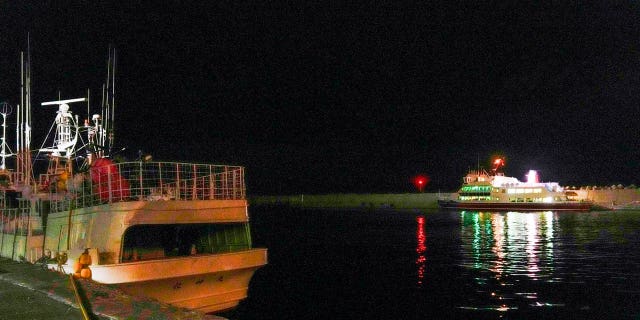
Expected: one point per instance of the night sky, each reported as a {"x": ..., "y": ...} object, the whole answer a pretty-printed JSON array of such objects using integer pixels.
[{"x": 337, "y": 96}]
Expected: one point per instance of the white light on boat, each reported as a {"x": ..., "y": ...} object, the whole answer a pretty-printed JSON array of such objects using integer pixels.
[
  {"x": 547, "y": 199},
  {"x": 532, "y": 176},
  {"x": 59, "y": 102}
]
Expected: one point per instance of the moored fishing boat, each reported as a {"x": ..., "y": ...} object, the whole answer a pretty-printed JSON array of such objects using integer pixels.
[
  {"x": 482, "y": 190},
  {"x": 177, "y": 232}
]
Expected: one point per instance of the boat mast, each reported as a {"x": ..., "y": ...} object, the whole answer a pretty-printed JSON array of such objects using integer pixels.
[
  {"x": 105, "y": 107},
  {"x": 111, "y": 125},
  {"x": 23, "y": 121},
  {"x": 108, "y": 105},
  {"x": 19, "y": 121},
  {"x": 27, "y": 123}
]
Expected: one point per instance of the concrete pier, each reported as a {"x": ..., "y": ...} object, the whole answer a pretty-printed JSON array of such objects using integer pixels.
[
  {"x": 31, "y": 292},
  {"x": 353, "y": 200}
]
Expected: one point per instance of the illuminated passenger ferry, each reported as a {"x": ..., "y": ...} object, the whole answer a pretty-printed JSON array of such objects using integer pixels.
[{"x": 494, "y": 191}]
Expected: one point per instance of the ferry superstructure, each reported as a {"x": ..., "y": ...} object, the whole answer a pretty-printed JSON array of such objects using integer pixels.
[{"x": 495, "y": 191}]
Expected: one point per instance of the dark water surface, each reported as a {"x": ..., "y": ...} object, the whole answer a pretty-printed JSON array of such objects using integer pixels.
[{"x": 385, "y": 264}]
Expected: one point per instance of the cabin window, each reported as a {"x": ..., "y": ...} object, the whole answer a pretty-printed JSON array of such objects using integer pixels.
[
  {"x": 476, "y": 189},
  {"x": 148, "y": 242}
]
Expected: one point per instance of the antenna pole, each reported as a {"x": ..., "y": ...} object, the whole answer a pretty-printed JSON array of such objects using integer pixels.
[
  {"x": 19, "y": 117},
  {"x": 105, "y": 112},
  {"x": 27, "y": 118},
  {"x": 88, "y": 99},
  {"x": 112, "y": 126}
]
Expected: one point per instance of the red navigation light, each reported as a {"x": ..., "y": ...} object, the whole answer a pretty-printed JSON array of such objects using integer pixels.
[
  {"x": 497, "y": 163},
  {"x": 420, "y": 182}
]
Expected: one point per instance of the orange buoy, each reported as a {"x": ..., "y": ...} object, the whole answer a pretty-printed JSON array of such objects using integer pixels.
[
  {"x": 85, "y": 273},
  {"x": 77, "y": 267},
  {"x": 85, "y": 258}
]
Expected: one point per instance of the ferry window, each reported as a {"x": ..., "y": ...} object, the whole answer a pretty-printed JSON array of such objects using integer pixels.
[{"x": 147, "y": 242}]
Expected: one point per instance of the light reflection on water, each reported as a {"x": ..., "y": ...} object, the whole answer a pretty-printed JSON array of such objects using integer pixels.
[
  {"x": 511, "y": 243},
  {"x": 507, "y": 245},
  {"x": 526, "y": 259},
  {"x": 421, "y": 248}
]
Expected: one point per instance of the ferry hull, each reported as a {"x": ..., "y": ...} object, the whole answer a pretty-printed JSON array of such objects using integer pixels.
[{"x": 515, "y": 206}]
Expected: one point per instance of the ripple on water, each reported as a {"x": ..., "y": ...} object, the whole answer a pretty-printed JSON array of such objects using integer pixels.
[
  {"x": 527, "y": 295},
  {"x": 501, "y": 308},
  {"x": 539, "y": 304}
]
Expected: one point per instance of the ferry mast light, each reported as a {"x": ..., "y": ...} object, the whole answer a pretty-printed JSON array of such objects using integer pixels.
[{"x": 497, "y": 163}]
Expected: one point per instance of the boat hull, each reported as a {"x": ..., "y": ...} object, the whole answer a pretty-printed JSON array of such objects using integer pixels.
[
  {"x": 208, "y": 283},
  {"x": 516, "y": 206}
]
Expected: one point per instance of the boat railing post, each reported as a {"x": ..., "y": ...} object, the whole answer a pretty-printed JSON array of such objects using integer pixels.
[
  {"x": 237, "y": 192},
  {"x": 140, "y": 179},
  {"x": 225, "y": 183},
  {"x": 120, "y": 188},
  {"x": 232, "y": 185},
  {"x": 211, "y": 176},
  {"x": 160, "y": 178},
  {"x": 194, "y": 187},
  {"x": 238, "y": 182},
  {"x": 177, "y": 181},
  {"x": 110, "y": 167},
  {"x": 217, "y": 188}
]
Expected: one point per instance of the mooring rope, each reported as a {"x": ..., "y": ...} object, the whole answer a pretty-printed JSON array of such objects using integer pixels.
[{"x": 85, "y": 314}]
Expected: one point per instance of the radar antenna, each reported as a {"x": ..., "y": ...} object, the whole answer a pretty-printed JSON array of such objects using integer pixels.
[{"x": 66, "y": 133}]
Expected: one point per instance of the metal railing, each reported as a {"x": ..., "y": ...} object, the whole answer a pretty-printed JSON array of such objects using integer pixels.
[
  {"x": 151, "y": 181},
  {"x": 17, "y": 221}
]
